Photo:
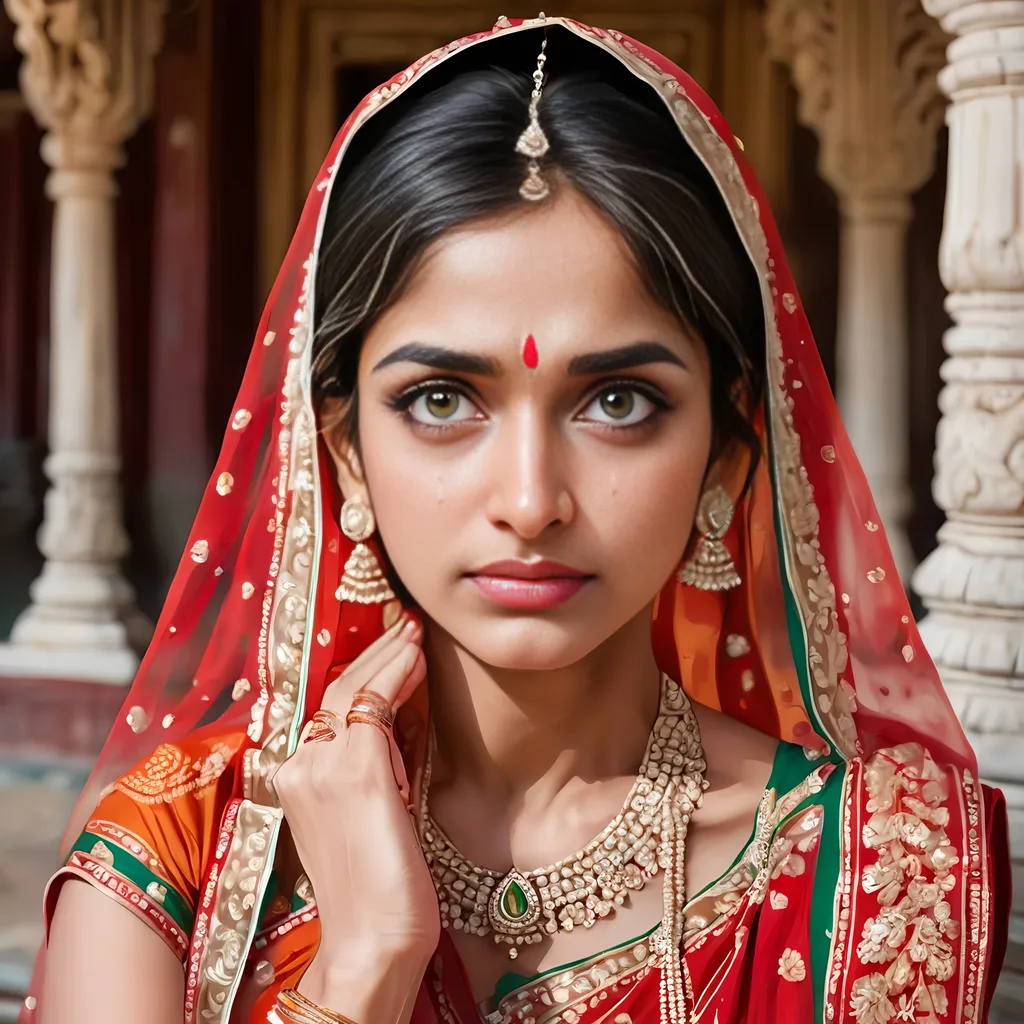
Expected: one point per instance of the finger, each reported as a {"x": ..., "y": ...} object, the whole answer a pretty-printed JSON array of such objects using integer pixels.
[
  {"x": 367, "y": 741},
  {"x": 415, "y": 678},
  {"x": 339, "y": 692},
  {"x": 381, "y": 642},
  {"x": 390, "y": 678},
  {"x": 365, "y": 666}
]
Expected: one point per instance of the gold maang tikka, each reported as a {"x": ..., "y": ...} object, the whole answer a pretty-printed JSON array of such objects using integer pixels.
[{"x": 533, "y": 143}]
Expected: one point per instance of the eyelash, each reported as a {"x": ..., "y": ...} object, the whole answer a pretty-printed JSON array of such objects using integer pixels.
[{"x": 403, "y": 402}]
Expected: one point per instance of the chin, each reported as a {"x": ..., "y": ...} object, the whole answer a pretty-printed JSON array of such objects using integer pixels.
[{"x": 529, "y": 644}]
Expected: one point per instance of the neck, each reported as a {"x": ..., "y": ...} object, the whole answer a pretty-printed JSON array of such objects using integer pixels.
[{"x": 508, "y": 729}]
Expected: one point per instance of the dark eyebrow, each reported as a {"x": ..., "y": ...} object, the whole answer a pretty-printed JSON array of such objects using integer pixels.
[
  {"x": 611, "y": 360},
  {"x": 447, "y": 359},
  {"x": 615, "y": 359}
]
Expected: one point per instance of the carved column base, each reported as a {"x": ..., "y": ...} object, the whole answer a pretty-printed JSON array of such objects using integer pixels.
[
  {"x": 973, "y": 586},
  {"x": 82, "y": 622}
]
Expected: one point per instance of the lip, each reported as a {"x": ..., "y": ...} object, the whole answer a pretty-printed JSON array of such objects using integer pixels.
[
  {"x": 513, "y": 583},
  {"x": 517, "y": 569}
]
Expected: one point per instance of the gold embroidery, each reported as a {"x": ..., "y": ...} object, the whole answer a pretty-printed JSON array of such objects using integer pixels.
[
  {"x": 913, "y": 929},
  {"x": 167, "y": 774},
  {"x": 791, "y": 966},
  {"x": 565, "y": 996},
  {"x": 157, "y": 892},
  {"x": 238, "y": 892},
  {"x": 137, "y": 717},
  {"x": 102, "y": 853},
  {"x": 765, "y": 858}
]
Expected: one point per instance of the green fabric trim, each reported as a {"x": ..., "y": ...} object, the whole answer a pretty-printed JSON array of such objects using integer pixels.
[
  {"x": 134, "y": 871},
  {"x": 794, "y": 623},
  {"x": 268, "y": 897},
  {"x": 510, "y": 982},
  {"x": 826, "y": 883},
  {"x": 781, "y": 771}
]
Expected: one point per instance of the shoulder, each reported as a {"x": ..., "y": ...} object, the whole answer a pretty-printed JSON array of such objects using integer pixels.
[
  {"x": 190, "y": 767},
  {"x": 148, "y": 841}
]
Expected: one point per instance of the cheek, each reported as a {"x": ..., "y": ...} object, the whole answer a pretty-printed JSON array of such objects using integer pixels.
[
  {"x": 634, "y": 505},
  {"x": 418, "y": 501},
  {"x": 643, "y": 503}
]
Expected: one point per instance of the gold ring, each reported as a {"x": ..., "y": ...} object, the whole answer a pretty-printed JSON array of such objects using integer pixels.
[
  {"x": 370, "y": 702},
  {"x": 322, "y": 727},
  {"x": 358, "y": 715}
]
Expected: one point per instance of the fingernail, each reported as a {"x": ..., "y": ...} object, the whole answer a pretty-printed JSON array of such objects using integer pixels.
[{"x": 410, "y": 628}]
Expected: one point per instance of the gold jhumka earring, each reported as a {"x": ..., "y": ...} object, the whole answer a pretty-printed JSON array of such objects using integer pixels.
[
  {"x": 711, "y": 567},
  {"x": 362, "y": 580},
  {"x": 533, "y": 143}
]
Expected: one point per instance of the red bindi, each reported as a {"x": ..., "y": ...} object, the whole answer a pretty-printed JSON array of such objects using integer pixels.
[{"x": 530, "y": 357}]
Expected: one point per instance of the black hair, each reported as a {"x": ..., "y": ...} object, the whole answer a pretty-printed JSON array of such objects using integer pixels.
[{"x": 448, "y": 158}]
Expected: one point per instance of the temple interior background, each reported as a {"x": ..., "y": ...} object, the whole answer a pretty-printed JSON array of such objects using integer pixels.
[{"x": 174, "y": 197}]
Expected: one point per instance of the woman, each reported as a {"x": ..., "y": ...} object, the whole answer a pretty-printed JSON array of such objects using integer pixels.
[{"x": 536, "y": 365}]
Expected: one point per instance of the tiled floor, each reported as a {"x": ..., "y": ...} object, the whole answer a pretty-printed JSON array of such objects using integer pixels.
[{"x": 35, "y": 801}]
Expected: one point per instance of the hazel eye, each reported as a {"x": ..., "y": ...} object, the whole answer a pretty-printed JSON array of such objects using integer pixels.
[
  {"x": 441, "y": 405},
  {"x": 620, "y": 406}
]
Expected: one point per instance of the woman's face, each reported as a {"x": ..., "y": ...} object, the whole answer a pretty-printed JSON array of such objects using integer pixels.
[{"x": 585, "y": 447}]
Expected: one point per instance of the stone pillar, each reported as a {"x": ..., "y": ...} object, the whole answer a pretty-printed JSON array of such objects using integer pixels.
[
  {"x": 87, "y": 79},
  {"x": 865, "y": 72},
  {"x": 973, "y": 583}
]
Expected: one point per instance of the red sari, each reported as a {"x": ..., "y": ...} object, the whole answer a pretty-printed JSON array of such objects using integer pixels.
[{"x": 867, "y": 892}]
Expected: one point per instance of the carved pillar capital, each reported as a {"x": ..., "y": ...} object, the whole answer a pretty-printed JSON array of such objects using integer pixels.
[
  {"x": 866, "y": 75},
  {"x": 87, "y": 73},
  {"x": 865, "y": 71}
]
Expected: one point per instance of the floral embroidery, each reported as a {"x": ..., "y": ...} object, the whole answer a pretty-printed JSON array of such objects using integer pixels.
[
  {"x": 870, "y": 1000},
  {"x": 168, "y": 773},
  {"x": 778, "y": 901},
  {"x": 791, "y": 966},
  {"x": 913, "y": 930}
]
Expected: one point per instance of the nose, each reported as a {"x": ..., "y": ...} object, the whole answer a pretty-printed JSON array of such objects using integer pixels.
[{"x": 528, "y": 488}]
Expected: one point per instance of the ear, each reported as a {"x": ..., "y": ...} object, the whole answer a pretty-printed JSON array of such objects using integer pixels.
[{"x": 347, "y": 466}]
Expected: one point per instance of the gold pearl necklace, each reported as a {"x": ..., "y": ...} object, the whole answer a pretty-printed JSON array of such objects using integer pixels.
[{"x": 518, "y": 907}]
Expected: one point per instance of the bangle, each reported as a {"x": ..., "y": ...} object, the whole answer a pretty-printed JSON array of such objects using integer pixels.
[{"x": 294, "y": 1006}]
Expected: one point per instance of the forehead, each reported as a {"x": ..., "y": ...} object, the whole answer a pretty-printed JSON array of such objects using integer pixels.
[{"x": 559, "y": 271}]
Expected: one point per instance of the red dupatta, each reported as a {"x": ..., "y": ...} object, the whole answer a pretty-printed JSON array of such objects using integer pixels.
[{"x": 817, "y": 647}]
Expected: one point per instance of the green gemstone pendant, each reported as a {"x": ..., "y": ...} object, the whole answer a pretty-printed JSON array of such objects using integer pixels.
[
  {"x": 513, "y": 902},
  {"x": 514, "y": 906}
]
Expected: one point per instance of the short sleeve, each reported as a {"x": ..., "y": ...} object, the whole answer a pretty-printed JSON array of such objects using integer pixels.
[{"x": 150, "y": 837}]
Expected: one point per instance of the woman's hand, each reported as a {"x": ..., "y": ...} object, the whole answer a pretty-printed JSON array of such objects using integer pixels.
[{"x": 345, "y": 803}]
